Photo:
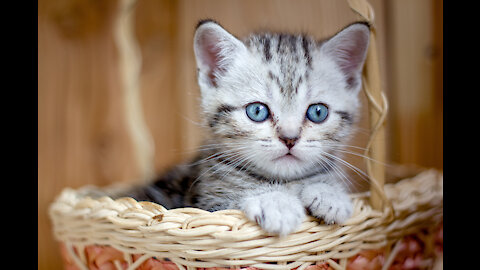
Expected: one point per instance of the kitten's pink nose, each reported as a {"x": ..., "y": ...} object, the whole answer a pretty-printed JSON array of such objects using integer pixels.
[{"x": 289, "y": 142}]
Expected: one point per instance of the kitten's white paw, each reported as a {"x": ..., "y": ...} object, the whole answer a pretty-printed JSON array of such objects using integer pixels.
[
  {"x": 332, "y": 206},
  {"x": 276, "y": 212}
]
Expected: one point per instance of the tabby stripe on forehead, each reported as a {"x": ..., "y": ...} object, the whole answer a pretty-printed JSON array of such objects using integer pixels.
[
  {"x": 293, "y": 43},
  {"x": 222, "y": 111},
  {"x": 277, "y": 81},
  {"x": 266, "y": 48},
  {"x": 287, "y": 42},
  {"x": 306, "y": 51},
  {"x": 280, "y": 37},
  {"x": 300, "y": 80}
]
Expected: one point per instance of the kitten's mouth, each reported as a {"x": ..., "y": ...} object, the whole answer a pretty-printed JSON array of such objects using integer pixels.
[{"x": 286, "y": 157}]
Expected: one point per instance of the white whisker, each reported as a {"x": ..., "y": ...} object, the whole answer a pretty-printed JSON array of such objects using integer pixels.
[
  {"x": 363, "y": 156},
  {"x": 218, "y": 155},
  {"x": 359, "y": 172},
  {"x": 234, "y": 166},
  {"x": 335, "y": 168}
]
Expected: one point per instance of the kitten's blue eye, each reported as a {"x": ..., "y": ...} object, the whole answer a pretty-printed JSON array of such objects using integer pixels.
[
  {"x": 257, "y": 112},
  {"x": 317, "y": 113}
]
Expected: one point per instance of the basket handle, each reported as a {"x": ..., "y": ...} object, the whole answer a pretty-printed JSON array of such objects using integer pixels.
[{"x": 378, "y": 107}]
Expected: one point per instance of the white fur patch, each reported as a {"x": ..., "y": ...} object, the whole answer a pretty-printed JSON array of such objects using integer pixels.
[
  {"x": 276, "y": 212},
  {"x": 325, "y": 201}
]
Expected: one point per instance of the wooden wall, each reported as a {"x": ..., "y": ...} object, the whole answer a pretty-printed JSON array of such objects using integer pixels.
[
  {"x": 415, "y": 75},
  {"x": 83, "y": 133}
]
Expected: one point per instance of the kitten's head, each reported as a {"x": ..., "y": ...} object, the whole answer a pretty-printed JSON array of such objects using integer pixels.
[{"x": 280, "y": 104}]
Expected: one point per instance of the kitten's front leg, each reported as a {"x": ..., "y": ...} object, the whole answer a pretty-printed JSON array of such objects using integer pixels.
[
  {"x": 276, "y": 211},
  {"x": 327, "y": 202}
]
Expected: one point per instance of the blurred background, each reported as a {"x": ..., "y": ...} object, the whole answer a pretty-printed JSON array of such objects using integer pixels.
[{"x": 86, "y": 132}]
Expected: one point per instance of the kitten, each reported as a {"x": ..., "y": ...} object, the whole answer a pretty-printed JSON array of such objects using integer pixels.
[{"x": 277, "y": 108}]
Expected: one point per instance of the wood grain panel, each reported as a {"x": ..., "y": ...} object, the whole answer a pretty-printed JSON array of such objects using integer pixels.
[
  {"x": 82, "y": 137},
  {"x": 415, "y": 72},
  {"x": 157, "y": 36}
]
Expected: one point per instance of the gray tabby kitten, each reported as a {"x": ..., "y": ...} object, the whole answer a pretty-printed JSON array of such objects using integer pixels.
[{"x": 278, "y": 108}]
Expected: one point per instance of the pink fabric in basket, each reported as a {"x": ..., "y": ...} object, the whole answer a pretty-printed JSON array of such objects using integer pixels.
[{"x": 410, "y": 255}]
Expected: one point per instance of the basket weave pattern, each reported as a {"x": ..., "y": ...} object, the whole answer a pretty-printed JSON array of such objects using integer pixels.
[{"x": 193, "y": 238}]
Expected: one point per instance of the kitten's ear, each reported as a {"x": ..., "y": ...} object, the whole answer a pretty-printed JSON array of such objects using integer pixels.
[
  {"x": 215, "y": 49},
  {"x": 348, "y": 49}
]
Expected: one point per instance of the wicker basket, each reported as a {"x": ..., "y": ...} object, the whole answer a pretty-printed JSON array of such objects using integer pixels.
[{"x": 393, "y": 226}]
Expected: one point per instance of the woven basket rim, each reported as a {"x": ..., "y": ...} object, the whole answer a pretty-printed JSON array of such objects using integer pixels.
[{"x": 198, "y": 238}]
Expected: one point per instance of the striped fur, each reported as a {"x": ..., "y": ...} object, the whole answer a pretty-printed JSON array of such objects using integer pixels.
[{"x": 248, "y": 165}]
